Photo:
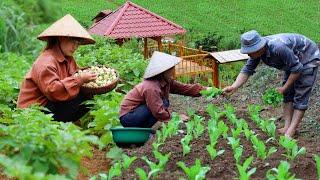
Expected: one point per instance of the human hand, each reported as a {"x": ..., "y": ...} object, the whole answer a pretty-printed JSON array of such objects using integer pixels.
[
  {"x": 229, "y": 90},
  {"x": 87, "y": 77}
]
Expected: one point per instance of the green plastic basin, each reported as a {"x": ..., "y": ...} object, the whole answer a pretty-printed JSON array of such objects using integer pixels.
[{"x": 129, "y": 135}]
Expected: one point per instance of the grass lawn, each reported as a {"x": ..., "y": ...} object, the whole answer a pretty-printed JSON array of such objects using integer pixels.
[{"x": 229, "y": 18}]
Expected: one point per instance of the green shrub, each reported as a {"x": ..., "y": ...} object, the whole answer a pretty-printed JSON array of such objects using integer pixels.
[
  {"x": 12, "y": 76},
  {"x": 32, "y": 139},
  {"x": 130, "y": 65}
]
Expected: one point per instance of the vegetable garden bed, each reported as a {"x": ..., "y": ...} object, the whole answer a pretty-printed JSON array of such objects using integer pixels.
[{"x": 224, "y": 166}]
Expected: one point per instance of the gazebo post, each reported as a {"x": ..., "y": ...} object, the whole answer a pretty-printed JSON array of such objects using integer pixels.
[
  {"x": 159, "y": 43},
  {"x": 145, "y": 52},
  {"x": 215, "y": 74}
]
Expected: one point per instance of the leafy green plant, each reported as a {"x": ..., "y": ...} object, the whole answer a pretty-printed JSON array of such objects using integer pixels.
[
  {"x": 213, "y": 152},
  {"x": 155, "y": 167},
  {"x": 143, "y": 175},
  {"x": 115, "y": 170},
  {"x": 162, "y": 158},
  {"x": 236, "y": 132},
  {"x": 291, "y": 147},
  {"x": 17, "y": 168},
  {"x": 214, "y": 135},
  {"x": 272, "y": 97},
  {"x": 317, "y": 159},
  {"x": 254, "y": 111},
  {"x": 265, "y": 125},
  {"x": 129, "y": 64},
  {"x": 185, "y": 144},
  {"x": 11, "y": 78},
  {"x": 271, "y": 127},
  {"x": 127, "y": 161},
  {"x": 211, "y": 92},
  {"x": 223, "y": 128},
  {"x": 104, "y": 115},
  {"x": 196, "y": 171},
  {"x": 209, "y": 41},
  {"x": 214, "y": 112},
  {"x": 237, "y": 154},
  {"x": 169, "y": 129},
  {"x": 242, "y": 169},
  {"x": 45, "y": 145},
  {"x": 248, "y": 133},
  {"x": 190, "y": 126},
  {"x": 234, "y": 142},
  {"x": 198, "y": 127},
  {"x": 280, "y": 173},
  {"x": 229, "y": 111},
  {"x": 260, "y": 148}
]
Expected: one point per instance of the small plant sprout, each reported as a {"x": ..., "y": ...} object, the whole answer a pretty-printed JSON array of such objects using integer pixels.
[
  {"x": 190, "y": 125},
  {"x": 155, "y": 146},
  {"x": 127, "y": 161},
  {"x": 143, "y": 175},
  {"x": 292, "y": 149},
  {"x": 214, "y": 112},
  {"x": 198, "y": 127},
  {"x": 223, "y": 128},
  {"x": 248, "y": 133},
  {"x": 254, "y": 111},
  {"x": 196, "y": 172},
  {"x": 214, "y": 135},
  {"x": 280, "y": 173},
  {"x": 211, "y": 92},
  {"x": 317, "y": 159},
  {"x": 162, "y": 159},
  {"x": 115, "y": 170},
  {"x": 271, "y": 127},
  {"x": 156, "y": 167},
  {"x": 185, "y": 144},
  {"x": 237, "y": 154},
  {"x": 233, "y": 142},
  {"x": 213, "y": 152},
  {"x": 236, "y": 132},
  {"x": 229, "y": 111},
  {"x": 243, "y": 173},
  {"x": 260, "y": 148}
]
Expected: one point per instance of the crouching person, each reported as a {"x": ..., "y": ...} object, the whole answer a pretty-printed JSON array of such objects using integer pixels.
[
  {"x": 50, "y": 82},
  {"x": 148, "y": 102}
]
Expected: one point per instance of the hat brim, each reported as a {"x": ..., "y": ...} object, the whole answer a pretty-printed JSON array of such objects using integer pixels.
[
  {"x": 84, "y": 41},
  {"x": 255, "y": 48}
]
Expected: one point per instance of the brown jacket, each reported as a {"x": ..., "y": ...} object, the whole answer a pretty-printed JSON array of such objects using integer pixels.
[
  {"x": 50, "y": 78},
  {"x": 151, "y": 93}
]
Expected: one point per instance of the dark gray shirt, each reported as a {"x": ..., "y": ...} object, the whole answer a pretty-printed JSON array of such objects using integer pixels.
[{"x": 287, "y": 52}]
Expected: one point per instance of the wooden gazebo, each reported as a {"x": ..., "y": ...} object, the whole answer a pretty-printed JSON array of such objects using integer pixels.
[{"x": 131, "y": 20}]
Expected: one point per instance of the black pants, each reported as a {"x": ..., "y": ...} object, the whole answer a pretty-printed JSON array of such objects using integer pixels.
[{"x": 67, "y": 111}]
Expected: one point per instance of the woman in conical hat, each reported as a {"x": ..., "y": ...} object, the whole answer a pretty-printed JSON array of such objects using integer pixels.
[
  {"x": 50, "y": 82},
  {"x": 148, "y": 101}
]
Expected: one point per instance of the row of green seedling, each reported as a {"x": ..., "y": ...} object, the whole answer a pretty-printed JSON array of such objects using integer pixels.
[
  {"x": 242, "y": 126},
  {"x": 266, "y": 125},
  {"x": 216, "y": 128},
  {"x": 169, "y": 129},
  {"x": 195, "y": 129}
]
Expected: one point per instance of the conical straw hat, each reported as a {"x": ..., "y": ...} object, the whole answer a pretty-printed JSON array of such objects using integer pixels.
[
  {"x": 159, "y": 63},
  {"x": 69, "y": 27}
]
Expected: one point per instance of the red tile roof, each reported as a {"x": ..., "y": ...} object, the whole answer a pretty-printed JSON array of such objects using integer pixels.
[{"x": 131, "y": 20}]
